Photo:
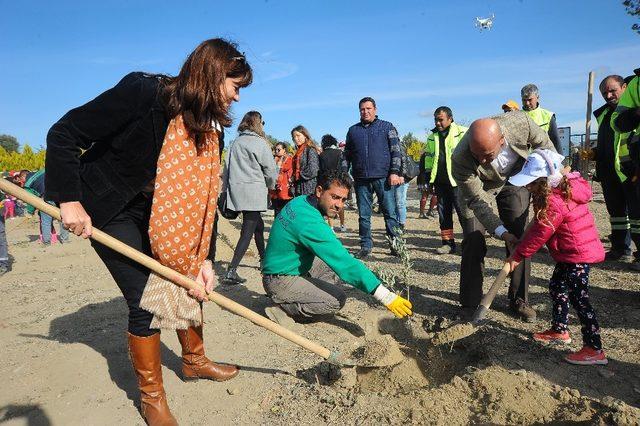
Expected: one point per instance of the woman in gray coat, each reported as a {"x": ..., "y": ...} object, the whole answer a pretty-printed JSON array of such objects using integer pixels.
[{"x": 250, "y": 173}]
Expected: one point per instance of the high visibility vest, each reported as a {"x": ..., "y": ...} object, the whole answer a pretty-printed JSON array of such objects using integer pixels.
[
  {"x": 629, "y": 99},
  {"x": 542, "y": 117},
  {"x": 620, "y": 147},
  {"x": 432, "y": 150}
]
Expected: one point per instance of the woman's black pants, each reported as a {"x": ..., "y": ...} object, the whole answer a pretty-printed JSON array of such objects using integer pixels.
[
  {"x": 252, "y": 226},
  {"x": 131, "y": 226}
]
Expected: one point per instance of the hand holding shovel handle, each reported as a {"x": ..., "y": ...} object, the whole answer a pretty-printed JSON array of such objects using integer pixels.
[{"x": 174, "y": 276}]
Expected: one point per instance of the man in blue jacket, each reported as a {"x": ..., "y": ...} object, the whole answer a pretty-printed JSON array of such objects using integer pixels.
[{"x": 373, "y": 151}]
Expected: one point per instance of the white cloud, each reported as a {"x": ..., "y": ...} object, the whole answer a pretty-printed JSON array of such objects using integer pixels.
[
  {"x": 277, "y": 70},
  {"x": 268, "y": 67}
]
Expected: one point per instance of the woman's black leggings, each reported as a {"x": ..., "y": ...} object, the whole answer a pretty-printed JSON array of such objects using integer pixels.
[
  {"x": 252, "y": 225},
  {"x": 131, "y": 226}
]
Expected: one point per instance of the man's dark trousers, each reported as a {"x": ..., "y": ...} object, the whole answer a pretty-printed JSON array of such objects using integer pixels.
[
  {"x": 513, "y": 209},
  {"x": 447, "y": 202},
  {"x": 615, "y": 198}
]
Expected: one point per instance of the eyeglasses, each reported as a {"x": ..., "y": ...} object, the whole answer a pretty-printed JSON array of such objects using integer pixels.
[{"x": 263, "y": 123}]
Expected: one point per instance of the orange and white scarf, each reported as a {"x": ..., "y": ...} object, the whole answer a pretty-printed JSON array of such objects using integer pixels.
[{"x": 184, "y": 203}]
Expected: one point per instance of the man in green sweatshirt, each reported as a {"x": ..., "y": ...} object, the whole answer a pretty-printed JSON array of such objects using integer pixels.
[{"x": 303, "y": 254}]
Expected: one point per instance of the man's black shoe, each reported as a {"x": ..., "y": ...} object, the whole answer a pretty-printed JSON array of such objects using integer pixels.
[
  {"x": 466, "y": 312},
  {"x": 362, "y": 254},
  {"x": 618, "y": 255}
]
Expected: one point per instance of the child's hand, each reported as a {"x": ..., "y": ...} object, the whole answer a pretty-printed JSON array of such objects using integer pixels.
[{"x": 512, "y": 263}]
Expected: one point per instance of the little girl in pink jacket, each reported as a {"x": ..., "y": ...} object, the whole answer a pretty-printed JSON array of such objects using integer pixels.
[{"x": 563, "y": 221}]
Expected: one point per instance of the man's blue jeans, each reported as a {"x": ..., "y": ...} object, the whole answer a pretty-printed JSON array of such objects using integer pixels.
[
  {"x": 401, "y": 201},
  {"x": 46, "y": 223},
  {"x": 387, "y": 200}
]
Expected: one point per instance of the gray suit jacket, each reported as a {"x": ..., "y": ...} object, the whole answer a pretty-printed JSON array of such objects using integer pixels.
[
  {"x": 250, "y": 170},
  {"x": 475, "y": 180}
]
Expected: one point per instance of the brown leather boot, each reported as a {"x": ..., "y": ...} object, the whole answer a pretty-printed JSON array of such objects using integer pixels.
[
  {"x": 145, "y": 357},
  {"x": 197, "y": 366},
  {"x": 522, "y": 309}
]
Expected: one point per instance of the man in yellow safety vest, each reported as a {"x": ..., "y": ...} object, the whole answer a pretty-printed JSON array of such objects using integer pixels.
[
  {"x": 608, "y": 170},
  {"x": 626, "y": 121},
  {"x": 437, "y": 165},
  {"x": 542, "y": 117}
]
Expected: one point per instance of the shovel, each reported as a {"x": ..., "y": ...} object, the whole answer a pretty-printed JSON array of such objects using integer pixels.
[
  {"x": 183, "y": 281},
  {"x": 460, "y": 331}
]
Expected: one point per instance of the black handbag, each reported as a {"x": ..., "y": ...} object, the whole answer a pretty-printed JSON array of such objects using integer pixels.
[
  {"x": 225, "y": 211},
  {"x": 223, "y": 208}
]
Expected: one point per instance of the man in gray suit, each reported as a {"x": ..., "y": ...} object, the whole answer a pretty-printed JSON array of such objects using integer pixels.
[{"x": 493, "y": 150}]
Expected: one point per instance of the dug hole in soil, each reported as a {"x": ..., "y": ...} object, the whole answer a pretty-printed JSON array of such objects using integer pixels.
[{"x": 63, "y": 324}]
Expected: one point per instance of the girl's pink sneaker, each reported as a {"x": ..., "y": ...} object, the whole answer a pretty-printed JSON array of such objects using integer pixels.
[
  {"x": 552, "y": 336},
  {"x": 587, "y": 356}
]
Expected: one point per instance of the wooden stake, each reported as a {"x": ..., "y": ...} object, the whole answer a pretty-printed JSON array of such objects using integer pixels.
[{"x": 584, "y": 166}]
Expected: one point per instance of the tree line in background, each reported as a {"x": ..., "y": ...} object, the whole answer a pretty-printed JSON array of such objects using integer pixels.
[{"x": 12, "y": 158}]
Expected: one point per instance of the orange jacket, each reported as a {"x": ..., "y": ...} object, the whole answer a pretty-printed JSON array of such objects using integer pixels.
[{"x": 282, "y": 191}]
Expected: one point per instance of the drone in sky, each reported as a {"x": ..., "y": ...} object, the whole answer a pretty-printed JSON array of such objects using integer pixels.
[{"x": 485, "y": 23}]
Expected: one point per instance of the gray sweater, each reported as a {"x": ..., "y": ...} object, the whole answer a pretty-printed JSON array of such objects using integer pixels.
[{"x": 250, "y": 170}]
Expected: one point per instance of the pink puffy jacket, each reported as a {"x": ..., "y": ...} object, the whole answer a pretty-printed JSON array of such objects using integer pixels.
[{"x": 570, "y": 231}]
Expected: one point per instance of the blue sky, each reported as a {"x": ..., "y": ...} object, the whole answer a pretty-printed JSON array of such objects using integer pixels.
[{"x": 315, "y": 59}]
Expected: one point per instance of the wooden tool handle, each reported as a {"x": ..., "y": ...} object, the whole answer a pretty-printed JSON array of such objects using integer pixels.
[
  {"x": 170, "y": 274},
  {"x": 487, "y": 299}
]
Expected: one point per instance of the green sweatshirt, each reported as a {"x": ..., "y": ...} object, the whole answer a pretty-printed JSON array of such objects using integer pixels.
[{"x": 299, "y": 234}]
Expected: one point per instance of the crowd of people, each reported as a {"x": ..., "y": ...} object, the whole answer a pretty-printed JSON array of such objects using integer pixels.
[
  {"x": 12, "y": 208},
  {"x": 143, "y": 162}
]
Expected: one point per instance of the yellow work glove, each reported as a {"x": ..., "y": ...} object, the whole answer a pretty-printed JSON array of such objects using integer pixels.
[{"x": 400, "y": 306}]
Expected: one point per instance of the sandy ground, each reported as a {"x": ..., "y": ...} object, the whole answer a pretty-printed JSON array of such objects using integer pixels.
[{"x": 64, "y": 359}]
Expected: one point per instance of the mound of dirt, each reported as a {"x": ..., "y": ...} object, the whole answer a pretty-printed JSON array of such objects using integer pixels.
[
  {"x": 453, "y": 333},
  {"x": 381, "y": 351}
]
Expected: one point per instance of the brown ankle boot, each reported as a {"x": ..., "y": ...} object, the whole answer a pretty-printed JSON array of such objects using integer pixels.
[
  {"x": 145, "y": 357},
  {"x": 197, "y": 366}
]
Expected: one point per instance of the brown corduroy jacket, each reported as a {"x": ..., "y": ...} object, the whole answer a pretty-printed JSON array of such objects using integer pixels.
[{"x": 477, "y": 182}]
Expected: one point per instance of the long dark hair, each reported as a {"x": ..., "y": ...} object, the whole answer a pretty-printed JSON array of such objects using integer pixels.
[
  {"x": 195, "y": 92},
  {"x": 252, "y": 121}
]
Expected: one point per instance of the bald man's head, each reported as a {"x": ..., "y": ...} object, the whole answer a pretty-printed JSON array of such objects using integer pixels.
[{"x": 486, "y": 140}]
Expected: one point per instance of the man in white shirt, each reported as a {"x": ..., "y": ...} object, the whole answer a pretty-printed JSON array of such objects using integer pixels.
[{"x": 490, "y": 152}]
